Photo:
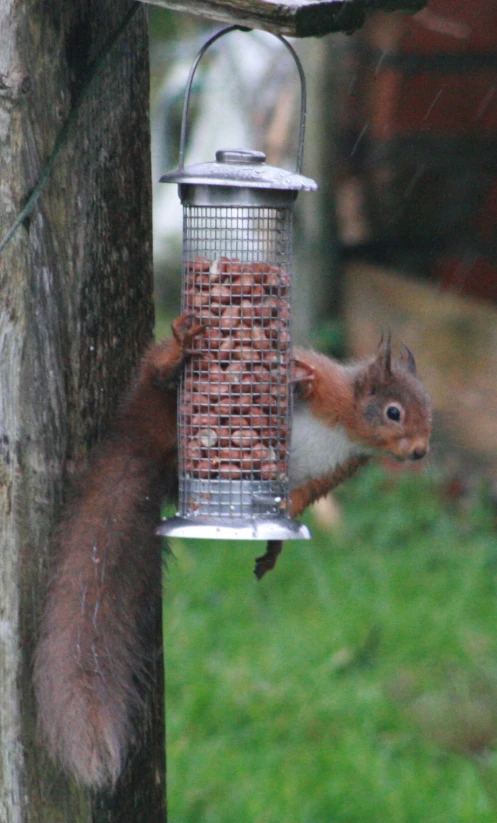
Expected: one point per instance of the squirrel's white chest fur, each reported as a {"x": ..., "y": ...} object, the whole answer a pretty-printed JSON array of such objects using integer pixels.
[{"x": 316, "y": 449}]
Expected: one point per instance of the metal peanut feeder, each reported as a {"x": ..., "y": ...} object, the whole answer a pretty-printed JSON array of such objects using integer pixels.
[{"x": 235, "y": 400}]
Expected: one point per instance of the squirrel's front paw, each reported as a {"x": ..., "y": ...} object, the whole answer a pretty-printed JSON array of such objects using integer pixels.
[
  {"x": 185, "y": 329},
  {"x": 167, "y": 359}
]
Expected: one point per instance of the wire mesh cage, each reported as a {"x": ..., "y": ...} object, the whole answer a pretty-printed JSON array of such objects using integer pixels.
[{"x": 235, "y": 402}]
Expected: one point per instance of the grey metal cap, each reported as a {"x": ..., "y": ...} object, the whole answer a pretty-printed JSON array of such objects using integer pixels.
[{"x": 241, "y": 168}]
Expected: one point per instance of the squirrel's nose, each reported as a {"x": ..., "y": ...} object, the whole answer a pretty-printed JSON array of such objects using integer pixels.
[{"x": 418, "y": 453}]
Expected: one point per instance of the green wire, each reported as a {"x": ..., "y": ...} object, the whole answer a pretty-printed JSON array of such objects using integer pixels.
[{"x": 63, "y": 135}]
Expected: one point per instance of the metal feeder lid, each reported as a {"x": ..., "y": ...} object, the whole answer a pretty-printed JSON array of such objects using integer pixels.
[{"x": 240, "y": 168}]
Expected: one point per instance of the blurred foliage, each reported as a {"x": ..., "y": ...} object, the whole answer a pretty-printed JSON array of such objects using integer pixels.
[
  {"x": 356, "y": 682},
  {"x": 328, "y": 336},
  {"x": 163, "y": 24}
]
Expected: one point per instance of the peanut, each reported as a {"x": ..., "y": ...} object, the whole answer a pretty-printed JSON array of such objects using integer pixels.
[{"x": 235, "y": 399}]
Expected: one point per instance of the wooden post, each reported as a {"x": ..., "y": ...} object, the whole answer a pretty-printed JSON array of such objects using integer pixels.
[
  {"x": 75, "y": 312},
  {"x": 295, "y": 18}
]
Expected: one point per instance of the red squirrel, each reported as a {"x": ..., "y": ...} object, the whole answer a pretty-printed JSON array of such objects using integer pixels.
[
  {"x": 93, "y": 653},
  {"x": 343, "y": 416}
]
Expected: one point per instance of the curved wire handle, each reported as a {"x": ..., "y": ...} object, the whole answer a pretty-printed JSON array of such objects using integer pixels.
[{"x": 186, "y": 104}]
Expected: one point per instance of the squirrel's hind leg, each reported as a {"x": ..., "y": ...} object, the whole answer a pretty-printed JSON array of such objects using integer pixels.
[{"x": 267, "y": 561}]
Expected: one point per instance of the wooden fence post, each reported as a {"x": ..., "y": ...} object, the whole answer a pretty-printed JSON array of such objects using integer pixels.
[{"x": 75, "y": 313}]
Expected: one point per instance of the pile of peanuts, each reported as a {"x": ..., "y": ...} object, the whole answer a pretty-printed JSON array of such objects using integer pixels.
[{"x": 234, "y": 407}]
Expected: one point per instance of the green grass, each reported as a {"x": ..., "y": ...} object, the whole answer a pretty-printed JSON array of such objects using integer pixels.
[{"x": 356, "y": 683}]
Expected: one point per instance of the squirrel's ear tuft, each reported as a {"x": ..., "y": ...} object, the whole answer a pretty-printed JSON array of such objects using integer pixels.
[
  {"x": 410, "y": 360},
  {"x": 384, "y": 356}
]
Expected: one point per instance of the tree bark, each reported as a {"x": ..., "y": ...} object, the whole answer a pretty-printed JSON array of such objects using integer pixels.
[{"x": 75, "y": 313}]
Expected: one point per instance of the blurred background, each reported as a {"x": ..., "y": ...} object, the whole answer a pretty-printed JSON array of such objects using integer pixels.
[
  {"x": 372, "y": 693},
  {"x": 401, "y": 138}
]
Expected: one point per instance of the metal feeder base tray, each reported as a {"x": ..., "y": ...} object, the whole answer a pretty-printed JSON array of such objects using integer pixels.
[{"x": 224, "y": 528}]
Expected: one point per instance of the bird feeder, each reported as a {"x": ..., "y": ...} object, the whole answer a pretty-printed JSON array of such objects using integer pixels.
[{"x": 235, "y": 399}]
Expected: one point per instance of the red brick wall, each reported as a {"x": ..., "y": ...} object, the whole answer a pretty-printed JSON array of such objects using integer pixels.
[{"x": 420, "y": 118}]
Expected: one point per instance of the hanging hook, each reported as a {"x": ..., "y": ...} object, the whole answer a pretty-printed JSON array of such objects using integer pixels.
[{"x": 189, "y": 82}]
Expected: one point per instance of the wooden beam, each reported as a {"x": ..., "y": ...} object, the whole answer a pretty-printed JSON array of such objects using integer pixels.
[{"x": 295, "y": 18}]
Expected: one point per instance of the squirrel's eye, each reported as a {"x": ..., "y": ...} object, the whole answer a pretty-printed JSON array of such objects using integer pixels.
[{"x": 393, "y": 412}]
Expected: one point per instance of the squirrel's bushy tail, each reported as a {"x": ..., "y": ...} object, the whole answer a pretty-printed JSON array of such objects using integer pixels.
[{"x": 95, "y": 648}]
